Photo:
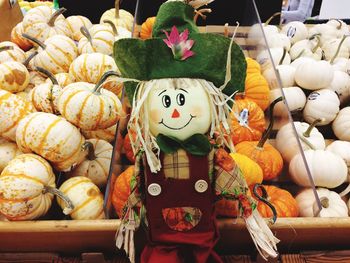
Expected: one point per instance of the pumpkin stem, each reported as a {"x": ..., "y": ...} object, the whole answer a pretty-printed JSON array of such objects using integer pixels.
[
  {"x": 346, "y": 191},
  {"x": 283, "y": 56},
  {"x": 91, "y": 151},
  {"x": 35, "y": 40},
  {"x": 201, "y": 13},
  {"x": 272, "y": 17},
  {"x": 114, "y": 28},
  {"x": 69, "y": 204},
  {"x": 264, "y": 198},
  {"x": 267, "y": 132},
  {"x": 5, "y": 48},
  {"x": 103, "y": 79},
  {"x": 28, "y": 59},
  {"x": 318, "y": 43},
  {"x": 324, "y": 202},
  {"x": 86, "y": 34},
  {"x": 340, "y": 24},
  {"x": 47, "y": 74},
  {"x": 55, "y": 15},
  {"x": 338, "y": 49},
  {"x": 311, "y": 126},
  {"x": 116, "y": 6}
]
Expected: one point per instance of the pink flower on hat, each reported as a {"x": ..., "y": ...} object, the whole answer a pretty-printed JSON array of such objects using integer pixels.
[{"x": 179, "y": 43}]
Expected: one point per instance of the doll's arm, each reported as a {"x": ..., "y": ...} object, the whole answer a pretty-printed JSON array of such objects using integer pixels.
[{"x": 230, "y": 183}]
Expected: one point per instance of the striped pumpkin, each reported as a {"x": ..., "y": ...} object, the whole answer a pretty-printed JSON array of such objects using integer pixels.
[
  {"x": 11, "y": 52},
  {"x": 8, "y": 151},
  {"x": 75, "y": 23},
  {"x": 99, "y": 38},
  {"x": 24, "y": 185},
  {"x": 91, "y": 67},
  {"x": 55, "y": 54},
  {"x": 35, "y": 79},
  {"x": 104, "y": 134},
  {"x": 88, "y": 106},
  {"x": 85, "y": 196},
  {"x": 43, "y": 22},
  {"x": 53, "y": 138},
  {"x": 16, "y": 37},
  {"x": 45, "y": 96},
  {"x": 119, "y": 17},
  {"x": 14, "y": 76},
  {"x": 12, "y": 109},
  {"x": 97, "y": 162},
  {"x": 63, "y": 79}
]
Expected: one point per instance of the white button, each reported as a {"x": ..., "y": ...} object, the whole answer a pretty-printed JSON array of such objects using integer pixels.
[
  {"x": 154, "y": 189},
  {"x": 201, "y": 186}
]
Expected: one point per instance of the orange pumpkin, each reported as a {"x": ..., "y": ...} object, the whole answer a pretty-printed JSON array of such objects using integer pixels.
[
  {"x": 257, "y": 89},
  {"x": 268, "y": 158},
  {"x": 121, "y": 190},
  {"x": 147, "y": 27},
  {"x": 253, "y": 66},
  {"x": 128, "y": 149},
  {"x": 282, "y": 200},
  {"x": 247, "y": 121},
  {"x": 16, "y": 37}
]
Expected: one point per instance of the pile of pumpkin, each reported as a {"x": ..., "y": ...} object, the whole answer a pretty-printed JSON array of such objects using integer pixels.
[
  {"x": 313, "y": 65},
  {"x": 59, "y": 106}
]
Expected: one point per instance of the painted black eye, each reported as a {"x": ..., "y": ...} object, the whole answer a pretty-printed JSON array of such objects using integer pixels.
[
  {"x": 180, "y": 99},
  {"x": 166, "y": 101}
]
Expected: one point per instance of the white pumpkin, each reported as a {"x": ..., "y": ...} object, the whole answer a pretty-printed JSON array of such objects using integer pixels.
[
  {"x": 104, "y": 134},
  {"x": 256, "y": 34},
  {"x": 53, "y": 138},
  {"x": 300, "y": 61},
  {"x": 63, "y": 79},
  {"x": 331, "y": 202},
  {"x": 277, "y": 40},
  {"x": 326, "y": 32},
  {"x": 119, "y": 32},
  {"x": 45, "y": 96},
  {"x": 340, "y": 27},
  {"x": 85, "y": 196},
  {"x": 11, "y": 52},
  {"x": 295, "y": 30},
  {"x": 321, "y": 164},
  {"x": 27, "y": 185},
  {"x": 75, "y": 23},
  {"x": 287, "y": 144},
  {"x": 341, "y": 124},
  {"x": 334, "y": 48},
  {"x": 322, "y": 104},
  {"x": 119, "y": 17},
  {"x": 314, "y": 75},
  {"x": 341, "y": 85},
  {"x": 341, "y": 64},
  {"x": 286, "y": 73},
  {"x": 306, "y": 48},
  {"x": 12, "y": 109},
  {"x": 14, "y": 76},
  {"x": 99, "y": 38},
  {"x": 97, "y": 162},
  {"x": 56, "y": 54},
  {"x": 88, "y": 106},
  {"x": 341, "y": 148},
  {"x": 279, "y": 57},
  {"x": 8, "y": 151},
  {"x": 295, "y": 98}
]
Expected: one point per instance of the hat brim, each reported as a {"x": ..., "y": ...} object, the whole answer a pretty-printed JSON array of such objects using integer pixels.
[{"x": 153, "y": 59}]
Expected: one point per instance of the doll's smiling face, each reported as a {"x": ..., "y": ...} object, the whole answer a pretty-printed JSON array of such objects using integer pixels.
[{"x": 177, "y": 109}]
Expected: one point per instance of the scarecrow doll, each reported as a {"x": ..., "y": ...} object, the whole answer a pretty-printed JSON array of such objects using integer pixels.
[{"x": 180, "y": 84}]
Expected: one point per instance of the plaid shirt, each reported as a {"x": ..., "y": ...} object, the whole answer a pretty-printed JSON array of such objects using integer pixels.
[{"x": 229, "y": 181}]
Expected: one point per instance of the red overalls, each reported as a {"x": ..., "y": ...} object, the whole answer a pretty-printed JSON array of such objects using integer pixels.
[{"x": 167, "y": 245}]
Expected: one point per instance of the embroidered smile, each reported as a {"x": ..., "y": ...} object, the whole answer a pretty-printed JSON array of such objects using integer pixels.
[{"x": 172, "y": 128}]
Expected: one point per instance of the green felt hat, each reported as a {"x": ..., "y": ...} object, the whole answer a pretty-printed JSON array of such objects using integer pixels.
[{"x": 153, "y": 59}]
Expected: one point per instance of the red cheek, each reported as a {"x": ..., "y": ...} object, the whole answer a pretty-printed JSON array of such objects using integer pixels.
[{"x": 155, "y": 115}]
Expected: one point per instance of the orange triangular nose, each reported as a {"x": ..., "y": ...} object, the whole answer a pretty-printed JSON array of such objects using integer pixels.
[{"x": 175, "y": 114}]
